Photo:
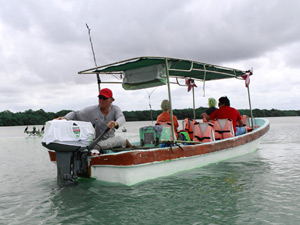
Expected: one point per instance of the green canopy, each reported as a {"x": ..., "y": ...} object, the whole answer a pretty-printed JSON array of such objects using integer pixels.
[{"x": 177, "y": 68}]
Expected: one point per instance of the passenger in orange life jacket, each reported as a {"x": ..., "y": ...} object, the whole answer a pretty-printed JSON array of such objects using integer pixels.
[
  {"x": 212, "y": 107},
  {"x": 165, "y": 116},
  {"x": 227, "y": 112}
]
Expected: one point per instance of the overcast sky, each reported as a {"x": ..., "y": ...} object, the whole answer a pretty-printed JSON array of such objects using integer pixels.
[{"x": 44, "y": 43}]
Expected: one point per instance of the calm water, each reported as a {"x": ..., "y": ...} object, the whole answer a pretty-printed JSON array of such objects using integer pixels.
[{"x": 259, "y": 188}]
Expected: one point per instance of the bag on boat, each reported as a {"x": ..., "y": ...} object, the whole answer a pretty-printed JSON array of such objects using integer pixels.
[
  {"x": 183, "y": 136},
  {"x": 76, "y": 133},
  {"x": 169, "y": 125},
  {"x": 145, "y": 77},
  {"x": 151, "y": 136}
]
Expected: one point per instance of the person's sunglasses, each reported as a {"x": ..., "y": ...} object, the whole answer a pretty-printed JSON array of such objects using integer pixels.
[{"x": 101, "y": 97}]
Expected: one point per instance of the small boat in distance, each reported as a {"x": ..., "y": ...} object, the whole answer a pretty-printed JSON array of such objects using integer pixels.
[
  {"x": 34, "y": 132},
  {"x": 157, "y": 154}
]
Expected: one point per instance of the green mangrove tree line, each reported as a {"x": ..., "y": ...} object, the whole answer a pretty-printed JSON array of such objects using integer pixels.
[{"x": 40, "y": 117}]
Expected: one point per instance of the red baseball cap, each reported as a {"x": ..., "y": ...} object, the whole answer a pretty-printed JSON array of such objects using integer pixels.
[{"x": 107, "y": 93}]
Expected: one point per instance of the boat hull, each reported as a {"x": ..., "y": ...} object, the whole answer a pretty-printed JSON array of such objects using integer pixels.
[
  {"x": 133, "y": 167},
  {"x": 132, "y": 174}
]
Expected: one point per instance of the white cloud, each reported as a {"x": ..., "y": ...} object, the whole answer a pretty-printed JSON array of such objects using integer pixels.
[{"x": 43, "y": 45}]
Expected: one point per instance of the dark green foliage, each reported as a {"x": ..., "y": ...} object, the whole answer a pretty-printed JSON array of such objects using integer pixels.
[
  {"x": 29, "y": 117},
  {"x": 188, "y": 113},
  {"x": 39, "y": 117}
]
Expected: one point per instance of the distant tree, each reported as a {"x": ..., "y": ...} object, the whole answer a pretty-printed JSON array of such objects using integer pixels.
[
  {"x": 61, "y": 113},
  {"x": 39, "y": 117}
]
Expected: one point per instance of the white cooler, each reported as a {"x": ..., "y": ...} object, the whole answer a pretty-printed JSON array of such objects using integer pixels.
[{"x": 69, "y": 132}]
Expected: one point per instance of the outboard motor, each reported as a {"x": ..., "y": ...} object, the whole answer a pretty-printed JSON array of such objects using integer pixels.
[
  {"x": 71, "y": 162},
  {"x": 71, "y": 141}
]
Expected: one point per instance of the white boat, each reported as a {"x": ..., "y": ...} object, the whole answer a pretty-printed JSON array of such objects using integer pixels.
[{"x": 146, "y": 162}]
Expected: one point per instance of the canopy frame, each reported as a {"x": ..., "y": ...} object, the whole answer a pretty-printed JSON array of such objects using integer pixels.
[{"x": 196, "y": 70}]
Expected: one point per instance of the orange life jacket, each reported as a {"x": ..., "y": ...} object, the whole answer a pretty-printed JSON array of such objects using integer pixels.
[
  {"x": 188, "y": 126},
  {"x": 168, "y": 124},
  {"x": 223, "y": 129},
  {"x": 207, "y": 121},
  {"x": 246, "y": 123},
  {"x": 203, "y": 132}
]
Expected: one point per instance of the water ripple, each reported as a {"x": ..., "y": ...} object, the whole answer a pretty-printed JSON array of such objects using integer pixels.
[{"x": 259, "y": 188}]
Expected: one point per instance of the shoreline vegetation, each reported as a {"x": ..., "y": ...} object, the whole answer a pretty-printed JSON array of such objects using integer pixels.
[{"x": 40, "y": 117}]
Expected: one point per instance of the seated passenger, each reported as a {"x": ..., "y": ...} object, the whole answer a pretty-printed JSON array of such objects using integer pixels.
[
  {"x": 212, "y": 107},
  {"x": 165, "y": 116},
  {"x": 227, "y": 112}
]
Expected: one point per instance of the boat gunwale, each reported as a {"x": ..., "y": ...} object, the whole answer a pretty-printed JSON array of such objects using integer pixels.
[{"x": 137, "y": 157}]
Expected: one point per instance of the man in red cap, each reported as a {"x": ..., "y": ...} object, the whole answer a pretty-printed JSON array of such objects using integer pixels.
[{"x": 103, "y": 115}]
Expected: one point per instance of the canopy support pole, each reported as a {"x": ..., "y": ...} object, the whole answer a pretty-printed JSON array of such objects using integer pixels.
[
  {"x": 194, "y": 111},
  {"x": 170, "y": 100},
  {"x": 250, "y": 107}
]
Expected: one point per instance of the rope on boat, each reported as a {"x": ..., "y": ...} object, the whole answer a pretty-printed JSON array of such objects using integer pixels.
[{"x": 149, "y": 95}]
